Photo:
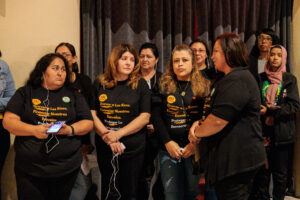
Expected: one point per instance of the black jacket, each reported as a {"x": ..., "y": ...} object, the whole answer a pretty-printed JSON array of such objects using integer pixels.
[{"x": 284, "y": 129}]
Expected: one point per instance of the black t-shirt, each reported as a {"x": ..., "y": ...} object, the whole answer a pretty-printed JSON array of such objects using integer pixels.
[
  {"x": 175, "y": 114},
  {"x": 118, "y": 106},
  {"x": 64, "y": 105},
  {"x": 239, "y": 146},
  {"x": 83, "y": 85}
]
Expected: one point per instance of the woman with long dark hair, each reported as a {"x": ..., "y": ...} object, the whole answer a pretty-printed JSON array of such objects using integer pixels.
[{"x": 47, "y": 164}]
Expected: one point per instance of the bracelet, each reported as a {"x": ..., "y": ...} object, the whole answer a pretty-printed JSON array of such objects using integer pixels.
[{"x": 73, "y": 132}]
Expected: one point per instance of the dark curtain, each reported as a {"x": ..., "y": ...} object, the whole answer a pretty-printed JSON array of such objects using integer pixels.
[{"x": 106, "y": 23}]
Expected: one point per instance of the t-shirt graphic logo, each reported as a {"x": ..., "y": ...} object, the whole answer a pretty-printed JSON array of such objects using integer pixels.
[
  {"x": 66, "y": 99},
  {"x": 171, "y": 99},
  {"x": 102, "y": 97},
  {"x": 36, "y": 101}
]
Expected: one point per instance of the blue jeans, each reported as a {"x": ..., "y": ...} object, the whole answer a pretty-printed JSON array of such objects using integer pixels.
[
  {"x": 177, "y": 178},
  {"x": 83, "y": 184}
]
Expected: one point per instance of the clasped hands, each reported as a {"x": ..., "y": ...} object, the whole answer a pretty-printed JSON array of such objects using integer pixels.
[
  {"x": 111, "y": 138},
  {"x": 175, "y": 151}
]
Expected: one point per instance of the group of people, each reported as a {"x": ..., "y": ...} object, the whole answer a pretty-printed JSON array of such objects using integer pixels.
[{"x": 202, "y": 116}]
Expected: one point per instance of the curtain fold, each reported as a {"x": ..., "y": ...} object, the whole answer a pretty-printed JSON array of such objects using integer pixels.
[{"x": 106, "y": 23}]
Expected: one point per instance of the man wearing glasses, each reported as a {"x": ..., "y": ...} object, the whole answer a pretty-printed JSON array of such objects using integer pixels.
[{"x": 259, "y": 54}]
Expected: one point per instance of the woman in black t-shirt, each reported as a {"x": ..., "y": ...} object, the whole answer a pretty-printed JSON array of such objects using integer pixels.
[
  {"x": 233, "y": 149},
  {"x": 82, "y": 84},
  {"x": 149, "y": 57},
  {"x": 182, "y": 87},
  {"x": 46, "y": 165},
  {"x": 121, "y": 113}
]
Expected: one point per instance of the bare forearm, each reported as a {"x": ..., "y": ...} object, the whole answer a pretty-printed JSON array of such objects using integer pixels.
[
  {"x": 135, "y": 125},
  {"x": 82, "y": 127},
  {"x": 210, "y": 126},
  {"x": 17, "y": 127},
  {"x": 98, "y": 125}
]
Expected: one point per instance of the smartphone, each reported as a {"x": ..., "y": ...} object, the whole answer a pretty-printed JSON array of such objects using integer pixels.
[{"x": 54, "y": 128}]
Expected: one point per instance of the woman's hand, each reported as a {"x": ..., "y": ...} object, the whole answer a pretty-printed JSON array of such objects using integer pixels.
[
  {"x": 117, "y": 147},
  {"x": 272, "y": 107},
  {"x": 192, "y": 137},
  {"x": 263, "y": 109},
  {"x": 111, "y": 137},
  {"x": 188, "y": 150},
  {"x": 150, "y": 129},
  {"x": 40, "y": 131},
  {"x": 65, "y": 130},
  {"x": 173, "y": 149}
]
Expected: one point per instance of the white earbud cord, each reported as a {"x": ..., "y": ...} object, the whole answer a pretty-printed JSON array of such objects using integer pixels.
[
  {"x": 46, "y": 104},
  {"x": 115, "y": 164}
]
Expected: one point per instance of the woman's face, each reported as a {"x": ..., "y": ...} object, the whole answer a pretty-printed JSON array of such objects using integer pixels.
[
  {"x": 125, "y": 64},
  {"x": 182, "y": 65},
  {"x": 218, "y": 57},
  {"x": 55, "y": 75},
  {"x": 147, "y": 59},
  {"x": 65, "y": 52},
  {"x": 199, "y": 52},
  {"x": 275, "y": 58}
]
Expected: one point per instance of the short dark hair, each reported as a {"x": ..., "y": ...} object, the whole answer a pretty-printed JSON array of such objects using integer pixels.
[
  {"x": 71, "y": 48},
  {"x": 275, "y": 40},
  {"x": 151, "y": 46},
  {"x": 36, "y": 76},
  {"x": 270, "y": 32},
  {"x": 234, "y": 49}
]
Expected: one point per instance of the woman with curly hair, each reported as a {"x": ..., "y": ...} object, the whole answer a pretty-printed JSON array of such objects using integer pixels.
[
  {"x": 181, "y": 90},
  {"x": 121, "y": 113}
]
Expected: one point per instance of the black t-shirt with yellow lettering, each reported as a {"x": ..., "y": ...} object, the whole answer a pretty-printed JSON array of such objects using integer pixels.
[
  {"x": 175, "y": 114},
  {"x": 118, "y": 106},
  {"x": 63, "y": 105}
]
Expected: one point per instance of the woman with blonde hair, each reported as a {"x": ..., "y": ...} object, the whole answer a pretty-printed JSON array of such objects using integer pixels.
[
  {"x": 121, "y": 113},
  {"x": 181, "y": 90}
]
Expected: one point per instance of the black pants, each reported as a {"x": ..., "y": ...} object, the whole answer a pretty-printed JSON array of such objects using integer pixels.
[
  {"x": 235, "y": 187},
  {"x": 35, "y": 188},
  {"x": 4, "y": 147},
  {"x": 278, "y": 159},
  {"x": 126, "y": 181},
  {"x": 151, "y": 152}
]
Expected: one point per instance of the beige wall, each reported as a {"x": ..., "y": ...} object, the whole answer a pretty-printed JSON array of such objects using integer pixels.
[
  {"x": 296, "y": 65},
  {"x": 32, "y": 28},
  {"x": 28, "y": 30}
]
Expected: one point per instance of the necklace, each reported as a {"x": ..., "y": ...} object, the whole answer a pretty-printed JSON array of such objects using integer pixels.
[{"x": 182, "y": 93}]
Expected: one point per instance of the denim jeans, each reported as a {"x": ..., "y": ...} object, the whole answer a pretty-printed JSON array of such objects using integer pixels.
[
  {"x": 178, "y": 180},
  {"x": 83, "y": 184}
]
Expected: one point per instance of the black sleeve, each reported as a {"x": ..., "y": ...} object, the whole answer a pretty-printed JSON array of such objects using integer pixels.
[
  {"x": 290, "y": 104},
  {"x": 16, "y": 103},
  {"x": 82, "y": 109},
  {"x": 88, "y": 89},
  {"x": 158, "y": 122},
  {"x": 95, "y": 89},
  {"x": 145, "y": 100},
  {"x": 230, "y": 99}
]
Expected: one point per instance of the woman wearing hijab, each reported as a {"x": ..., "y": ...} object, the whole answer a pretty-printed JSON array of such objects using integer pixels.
[{"x": 280, "y": 100}]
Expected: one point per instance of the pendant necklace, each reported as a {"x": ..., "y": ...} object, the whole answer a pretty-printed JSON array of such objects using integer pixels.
[{"x": 182, "y": 93}]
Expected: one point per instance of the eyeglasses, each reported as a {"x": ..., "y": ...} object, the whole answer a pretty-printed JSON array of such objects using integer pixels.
[
  {"x": 264, "y": 38},
  {"x": 65, "y": 55}
]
